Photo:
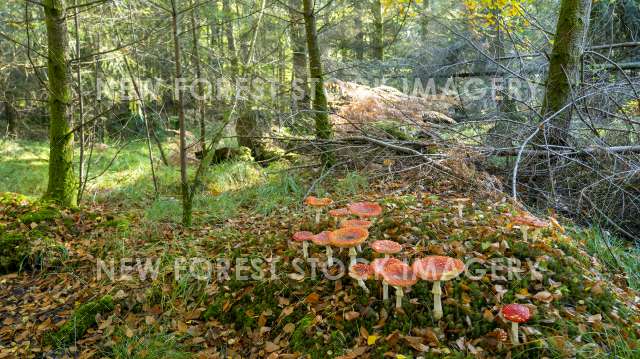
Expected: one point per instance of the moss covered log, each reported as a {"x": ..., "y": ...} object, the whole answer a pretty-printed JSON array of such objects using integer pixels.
[{"x": 82, "y": 319}]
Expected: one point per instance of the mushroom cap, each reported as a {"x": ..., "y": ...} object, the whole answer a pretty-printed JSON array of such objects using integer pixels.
[
  {"x": 360, "y": 271},
  {"x": 365, "y": 209},
  {"x": 318, "y": 202},
  {"x": 529, "y": 221},
  {"x": 340, "y": 212},
  {"x": 517, "y": 313},
  {"x": 348, "y": 237},
  {"x": 321, "y": 239},
  {"x": 302, "y": 236},
  {"x": 356, "y": 223},
  {"x": 399, "y": 275},
  {"x": 436, "y": 268},
  {"x": 378, "y": 264},
  {"x": 386, "y": 247}
]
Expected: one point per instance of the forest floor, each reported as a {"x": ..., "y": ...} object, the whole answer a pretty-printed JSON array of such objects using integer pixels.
[{"x": 176, "y": 292}]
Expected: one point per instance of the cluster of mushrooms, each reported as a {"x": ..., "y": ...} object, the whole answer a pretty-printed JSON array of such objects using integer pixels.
[{"x": 353, "y": 233}]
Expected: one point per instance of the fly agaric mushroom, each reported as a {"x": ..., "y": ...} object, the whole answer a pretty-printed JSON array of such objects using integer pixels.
[
  {"x": 526, "y": 222},
  {"x": 516, "y": 314},
  {"x": 322, "y": 239},
  {"x": 378, "y": 266},
  {"x": 460, "y": 205},
  {"x": 318, "y": 204},
  {"x": 303, "y": 237},
  {"x": 339, "y": 214},
  {"x": 386, "y": 247},
  {"x": 365, "y": 209},
  {"x": 399, "y": 275},
  {"x": 356, "y": 223},
  {"x": 349, "y": 237},
  {"x": 438, "y": 269},
  {"x": 361, "y": 272}
]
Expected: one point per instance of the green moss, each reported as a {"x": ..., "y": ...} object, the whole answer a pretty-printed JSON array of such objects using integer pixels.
[
  {"x": 14, "y": 249},
  {"x": 44, "y": 214},
  {"x": 82, "y": 319}
]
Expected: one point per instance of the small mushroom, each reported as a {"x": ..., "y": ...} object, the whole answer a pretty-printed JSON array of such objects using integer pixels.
[
  {"x": 322, "y": 239},
  {"x": 361, "y": 272},
  {"x": 386, "y": 247},
  {"x": 365, "y": 209},
  {"x": 460, "y": 202},
  {"x": 438, "y": 269},
  {"x": 349, "y": 237},
  {"x": 318, "y": 204},
  {"x": 527, "y": 222},
  {"x": 339, "y": 214},
  {"x": 378, "y": 266},
  {"x": 399, "y": 276},
  {"x": 304, "y": 237},
  {"x": 516, "y": 314}
]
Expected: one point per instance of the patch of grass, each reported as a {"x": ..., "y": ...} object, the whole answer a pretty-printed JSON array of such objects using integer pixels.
[{"x": 149, "y": 346}]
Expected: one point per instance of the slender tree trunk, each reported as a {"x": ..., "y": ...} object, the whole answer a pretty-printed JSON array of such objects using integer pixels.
[
  {"x": 564, "y": 66},
  {"x": 11, "y": 115},
  {"x": 231, "y": 43},
  {"x": 377, "y": 38},
  {"x": 300, "y": 83},
  {"x": 62, "y": 181},
  {"x": 324, "y": 129},
  {"x": 195, "y": 33},
  {"x": 184, "y": 180},
  {"x": 81, "y": 132},
  {"x": 359, "y": 38}
]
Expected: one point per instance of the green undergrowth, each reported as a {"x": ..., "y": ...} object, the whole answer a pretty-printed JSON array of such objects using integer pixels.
[{"x": 83, "y": 318}]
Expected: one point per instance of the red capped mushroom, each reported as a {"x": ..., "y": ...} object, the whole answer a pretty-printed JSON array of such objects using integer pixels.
[
  {"x": 304, "y": 237},
  {"x": 527, "y": 222},
  {"x": 322, "y": 239},
  {"x": 318, "y": 204},
  {"x": 349, "y": 237},
  {"x": 378, "y": 266},
  {"x": 437, "y": 269},
  {"x": 399, "y": 276},
  {"x": 516, "y": 314},
  {"x": 339, "y": 214},
  {"x": 361, "y": 272},
  {"x": 386, "y": 247},
  {"x": 365, "y": 209}
]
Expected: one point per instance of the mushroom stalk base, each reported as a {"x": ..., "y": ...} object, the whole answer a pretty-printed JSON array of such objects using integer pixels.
[
  {"x": 318, "y": 216},
  {"x": 514, "y": 334},
  {"x": 437, "y": 302},
  {"x": 352, "y": 256},
  {"x": 329, "y": 256},
  {"x": 385, "y": 291},
  {"x": 359, "y": 248},
  {"x": 460, "y": 208},
  {"x": 363, "y": 285},
  {"x": 305, "y": 249},
  {"x": 525, "y": 233},
  {"x": 399, "y": 295}
]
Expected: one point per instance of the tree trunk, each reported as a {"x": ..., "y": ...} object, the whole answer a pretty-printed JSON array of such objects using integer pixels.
[
  {"x": 359, "y": 39},
  {"x": 564, "y": 66},
  {"x": 11, "y": 115},
  {"x": 62, "y": 181},
  {"x": 231, "y": 43},
  {"x": 323, "y": 125},
  {"x": 195, "y": 33},
  {"x": 187, "y": 199},
  {"x": 300, "y": 83},
  {"x": 377, "y": 38}
]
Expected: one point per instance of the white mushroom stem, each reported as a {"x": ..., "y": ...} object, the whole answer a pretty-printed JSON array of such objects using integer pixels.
[
  {"x": 525, "y": 232},
  {"x": 460, "y": 208},
  {"x": 352, "y": 255},
  {"x": 514, "y": 333},
  {"x": 305, "y": 249},
  {"x": 399, "y": 295},
  {"x": 536, "y": 234},
  {"x": 363, "y": 285},
  {"x": 318, "y": 212},
  {"x": 437, "y": 300},
  {"x": 329, "y": 256},
  {"x": 359, "y": 248},
  {"x": 385, "y": 291}
]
